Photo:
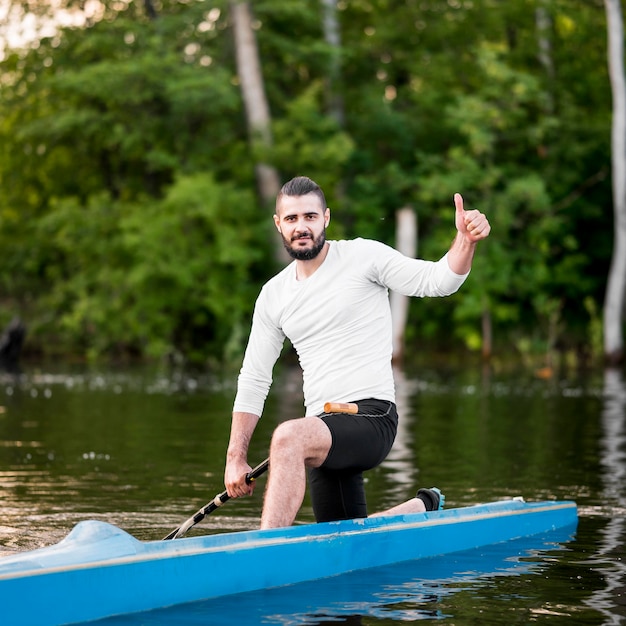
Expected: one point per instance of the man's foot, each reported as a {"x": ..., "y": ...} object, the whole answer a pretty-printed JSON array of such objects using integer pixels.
[{"x": 432, "y": 498}]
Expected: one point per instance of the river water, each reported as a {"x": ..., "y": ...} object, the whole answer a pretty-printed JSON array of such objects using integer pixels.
[{"x": 144, "y": 449}]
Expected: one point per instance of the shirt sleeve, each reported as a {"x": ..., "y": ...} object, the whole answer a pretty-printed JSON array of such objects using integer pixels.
[
  {"x": 414, "y": 277},
  {"x": 264, "y": 346}
]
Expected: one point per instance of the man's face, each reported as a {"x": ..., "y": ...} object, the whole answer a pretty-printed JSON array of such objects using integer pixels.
[{"x": 302, "y": 222}]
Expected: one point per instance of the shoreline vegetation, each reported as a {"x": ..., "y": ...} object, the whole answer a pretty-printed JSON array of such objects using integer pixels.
[{"x": 133, "y": 222}]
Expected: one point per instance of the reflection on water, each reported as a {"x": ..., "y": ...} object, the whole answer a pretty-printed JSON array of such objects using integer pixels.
[
  {"x": 144, "y": 450},
  {"x": 610, "y": 598},
  {"x": 613, "y": 439}
]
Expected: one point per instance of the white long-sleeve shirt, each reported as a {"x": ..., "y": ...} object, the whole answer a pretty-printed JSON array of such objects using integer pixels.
[{"x": 339, "y": 322}]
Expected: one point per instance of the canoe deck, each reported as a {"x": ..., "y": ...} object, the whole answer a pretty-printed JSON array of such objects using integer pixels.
[{"x": 99, "y": 570}]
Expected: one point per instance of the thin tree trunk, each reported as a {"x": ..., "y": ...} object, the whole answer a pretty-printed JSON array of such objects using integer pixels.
[
  {"x": 544, "y": 25},
  {"x": 616, "y": 287},
  {"x": 333, "y": 39},
  {"x": 151, "y": 11},
  {"x": 487, "y": 333},
  {"x": 406, "y": 242},
  {"x": 255, "y": 103}
]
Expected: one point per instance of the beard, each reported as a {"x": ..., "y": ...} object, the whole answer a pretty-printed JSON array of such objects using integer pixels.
[{"x": 305, "y": 254}]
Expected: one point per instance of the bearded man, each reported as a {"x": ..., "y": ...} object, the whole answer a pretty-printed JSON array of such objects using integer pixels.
[{"x": 332, "y": 304}]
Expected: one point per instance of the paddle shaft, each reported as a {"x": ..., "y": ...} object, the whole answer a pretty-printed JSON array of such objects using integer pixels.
[{"x": 219, "y": 499}]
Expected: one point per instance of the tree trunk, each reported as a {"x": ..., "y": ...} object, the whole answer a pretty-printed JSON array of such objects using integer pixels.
[
  {"x": 406, "y": 242},
  {"x": 487, "y": 333},
  {"x": 151, "y": 11},
  {"x": 333, "y": 39},
  {"x": 255, "y": 104},
  {"x": 544, "y": 25},
  {"x": 616, "y": 287}
]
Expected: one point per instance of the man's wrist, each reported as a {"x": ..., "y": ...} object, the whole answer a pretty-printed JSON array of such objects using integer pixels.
[
  {"x": 236, "y": 455},
  {"x": 463, "y": 242}
]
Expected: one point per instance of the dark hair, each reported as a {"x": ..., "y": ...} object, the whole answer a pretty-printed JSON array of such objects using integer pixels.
[{"x": 301, "y": 186}]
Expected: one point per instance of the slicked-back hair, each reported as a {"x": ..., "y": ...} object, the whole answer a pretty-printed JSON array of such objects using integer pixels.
[{"x": 301, "y": 186}]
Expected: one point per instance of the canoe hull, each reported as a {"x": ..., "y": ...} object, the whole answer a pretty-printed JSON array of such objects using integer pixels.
[{"x": 99, "y": 570}]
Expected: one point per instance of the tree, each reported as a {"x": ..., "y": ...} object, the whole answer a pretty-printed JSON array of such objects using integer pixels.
[
  {"x": 255, "y": 102},
  {"x": 332, "y": 36},
  {"x": 98, "y": 135},
  {"x": 100, "y": 123},
  {"x": 406, "y": 243},
  {"x": 616, "y": 287}
]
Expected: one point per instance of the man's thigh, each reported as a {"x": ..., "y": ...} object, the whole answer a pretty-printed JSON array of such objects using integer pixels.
[
  {"x": 359, "y": 442},
  {"x": 363, "y": 440}
]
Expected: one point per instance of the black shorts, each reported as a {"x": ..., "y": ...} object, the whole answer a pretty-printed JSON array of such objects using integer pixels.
[{"x": 360, "y": 442}]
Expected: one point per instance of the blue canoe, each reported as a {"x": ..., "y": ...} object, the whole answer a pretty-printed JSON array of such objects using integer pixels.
[{"x": 99, "y": 570}]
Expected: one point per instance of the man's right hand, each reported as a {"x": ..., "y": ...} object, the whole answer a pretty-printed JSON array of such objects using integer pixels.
[
  {"x": 237, "y": 467},
  {"x": 235, "y": 478}
]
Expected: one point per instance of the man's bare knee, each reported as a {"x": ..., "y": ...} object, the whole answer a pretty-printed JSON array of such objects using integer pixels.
[
  {"x": 305, "y": 439},
  {"x": 285, "y": 437}
]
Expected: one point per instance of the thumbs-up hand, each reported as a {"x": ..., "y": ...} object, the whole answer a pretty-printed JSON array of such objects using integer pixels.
[{"x": 472, "y": 224}]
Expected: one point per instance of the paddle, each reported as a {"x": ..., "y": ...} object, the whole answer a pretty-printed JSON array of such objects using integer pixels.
[{"x": 216, "y": 502}]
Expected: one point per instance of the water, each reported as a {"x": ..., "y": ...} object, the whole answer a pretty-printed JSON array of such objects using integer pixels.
[{"x": 145, "y": 449}]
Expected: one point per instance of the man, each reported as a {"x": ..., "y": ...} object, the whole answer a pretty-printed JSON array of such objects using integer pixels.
[{"x": 332, "y": 304}]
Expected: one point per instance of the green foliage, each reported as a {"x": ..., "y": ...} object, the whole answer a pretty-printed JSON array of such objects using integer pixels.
[
  {"x": 158, "y": 278},
  {"x": 309, "y": 142},
  {"x": 128, "y": 216}
]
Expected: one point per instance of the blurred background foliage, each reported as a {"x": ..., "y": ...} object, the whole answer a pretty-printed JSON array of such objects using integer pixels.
[{"x": 130, "y": 223}]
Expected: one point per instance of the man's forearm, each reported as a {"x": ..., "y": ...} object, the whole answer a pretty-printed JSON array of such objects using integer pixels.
[{"x": 241, "y": 430}]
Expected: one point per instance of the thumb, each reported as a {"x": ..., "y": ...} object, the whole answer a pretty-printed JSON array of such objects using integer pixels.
[{"x": 458, "y": 203}]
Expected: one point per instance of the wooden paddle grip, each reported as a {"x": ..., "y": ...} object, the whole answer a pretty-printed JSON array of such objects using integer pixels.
[{"x": 341, "y": 407}]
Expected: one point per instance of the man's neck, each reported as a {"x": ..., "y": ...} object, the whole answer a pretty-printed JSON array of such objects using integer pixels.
[{"x": 304, "y": 269}]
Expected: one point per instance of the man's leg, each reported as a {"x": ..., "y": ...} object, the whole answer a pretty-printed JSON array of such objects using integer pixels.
[
  {"x": 414, "y": 505},
  {"x": 425, "y": 500},
  {"x": 337, "y": 494},
  {"x": 296, "y": 445},
  {"x": 360, "y": 442}
]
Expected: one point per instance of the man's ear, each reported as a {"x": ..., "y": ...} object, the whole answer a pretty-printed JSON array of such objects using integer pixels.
[
  {"x": 277, "y": 222},
  {"x": 326, "y": 217}
]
